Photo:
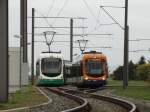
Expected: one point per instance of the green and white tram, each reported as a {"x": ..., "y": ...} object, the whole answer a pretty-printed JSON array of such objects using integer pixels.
[{"x": 49, "y": 69}]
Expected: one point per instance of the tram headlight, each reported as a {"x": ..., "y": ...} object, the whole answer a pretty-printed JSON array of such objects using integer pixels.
[
  {"x": 86, "y": 78},
  {"x": 103, "y": 78}
]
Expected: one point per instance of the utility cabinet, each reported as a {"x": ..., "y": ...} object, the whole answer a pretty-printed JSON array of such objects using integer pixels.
[{"x": 18, "y": 72}]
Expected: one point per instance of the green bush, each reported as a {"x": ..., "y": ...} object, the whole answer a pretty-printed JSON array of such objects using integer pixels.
[
  {"x": 118, "y": 73},
  {"x": 143, "y": 72},
  {"x": 149, "y": 78}
]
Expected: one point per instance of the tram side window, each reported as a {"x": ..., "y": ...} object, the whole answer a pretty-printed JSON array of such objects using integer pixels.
[
  {"x": 37, "y": 69},
  {"x": 78, "y": 71},
  {"x": 67, "y": 71},
  {"x": 42, "y": 65}
]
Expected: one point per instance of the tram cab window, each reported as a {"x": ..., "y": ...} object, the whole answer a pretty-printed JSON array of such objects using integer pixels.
[
  {"x": 94, "y": 67},
  {"x": 51, "y": 66}
]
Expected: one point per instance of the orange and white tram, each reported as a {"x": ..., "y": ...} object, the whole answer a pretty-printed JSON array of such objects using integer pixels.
[{"x": 90, "y": 70}]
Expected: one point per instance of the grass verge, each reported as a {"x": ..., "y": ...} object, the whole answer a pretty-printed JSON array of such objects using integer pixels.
[
  {"x": 25, "y": 97},
  {"x": 136, "y": 89}
]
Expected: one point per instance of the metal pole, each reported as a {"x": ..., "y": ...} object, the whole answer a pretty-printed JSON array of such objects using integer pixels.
[
  {"x": 125, "y": 73},
  {"x": 23, "y": 26},
  {"x": 127, "y": 76},
  {"x": 21, "y": 20},
  {"x": 32, "y": 57},
  {"x": 21, "y": 36},
  {"x": 20, "y": 62},
  {"x": 71, "y": 40},
  {"x": 4, "y": 51}
]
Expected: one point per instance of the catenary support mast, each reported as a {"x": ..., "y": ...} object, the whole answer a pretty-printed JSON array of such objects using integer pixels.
[
  {"x": 126, "y": 55},
  {"x": 71, "y": 39},
  {"x": 4, "y": 51}
]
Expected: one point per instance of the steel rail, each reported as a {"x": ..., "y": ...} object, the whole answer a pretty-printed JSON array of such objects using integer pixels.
[
  {"x": 94, "y": 90},
  {"x": 84, "y": 105},
  {"x": 127, "y": 105}
]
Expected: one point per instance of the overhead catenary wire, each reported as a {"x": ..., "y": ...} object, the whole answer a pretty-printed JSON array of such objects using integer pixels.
[
  {"x": 105, "y": 47},
  {"x": 97, "y": 26},
  {"x": 46, "y": 20},
  {"x": 51, "y": 6},
  {"x": 43, "y": 16},
  {"x": 51, "y": 25},
  {"x": 60, "y": 17},
  {"x": 140, "y": 39},
  {"x": 96, "y": 18},
  {"x": 69, "y": 34},
  {"x": 112, "y": 17},
  {"x": 40, "y": 34},
  {"x": 90, "y": 10},
  {"x": 92, "y": 13},
  {"x": 59, "y": 27},
  {"x": 92, "y": 43},
  {"x": 61, "y": 9},
  {"x": 53, "y": 41},
  {"x": 59, "y": 14},
  {"x": 83, "y": 31},
  {"x": 141, "y": 50},
  {"x": 112, "y": 6}
]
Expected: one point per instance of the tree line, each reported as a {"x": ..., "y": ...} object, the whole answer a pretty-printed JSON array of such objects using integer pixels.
[{"x": 137, "y": 71}]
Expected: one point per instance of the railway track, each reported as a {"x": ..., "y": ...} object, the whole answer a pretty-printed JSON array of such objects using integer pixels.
[
  {"x": 91, "y": 90},
  {"x": 126, "y": 105},
  {"x": 83, "y": 104}
]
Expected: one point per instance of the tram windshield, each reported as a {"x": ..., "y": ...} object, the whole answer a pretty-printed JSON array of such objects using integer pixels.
[
  {"x": 95, "y": 68},
  {"x": 51, "y": 66}
]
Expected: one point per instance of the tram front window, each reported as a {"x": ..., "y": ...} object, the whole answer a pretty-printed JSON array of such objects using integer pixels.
[
  {"x": 51, "y": 66},
  {"x": 95, "y": 68}
]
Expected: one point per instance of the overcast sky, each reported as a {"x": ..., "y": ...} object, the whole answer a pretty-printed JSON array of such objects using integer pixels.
[{"x": 139, "y": 23}]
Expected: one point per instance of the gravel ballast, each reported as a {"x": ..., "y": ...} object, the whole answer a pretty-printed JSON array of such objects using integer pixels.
[{"x": 60, "y": 103}]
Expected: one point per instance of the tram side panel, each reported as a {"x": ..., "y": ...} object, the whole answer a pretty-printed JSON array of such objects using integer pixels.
[{"x": 74, "y": 77}]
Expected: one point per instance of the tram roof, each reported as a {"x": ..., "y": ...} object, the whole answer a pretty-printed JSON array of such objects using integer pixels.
[
  {"x": 90, "y": 54},
  {"x": 51, "y": 55}
]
